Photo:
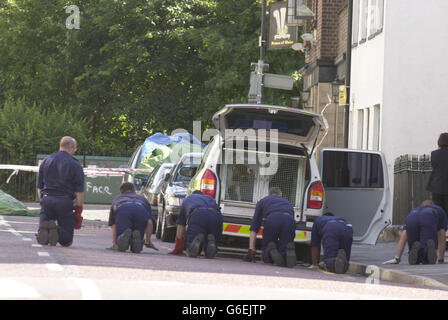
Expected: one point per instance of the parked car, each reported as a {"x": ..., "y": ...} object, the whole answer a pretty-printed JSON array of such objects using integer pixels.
[
  {"x": 172, "y": 194},
  {"x": 155, "y": 149},
  {"x": 154, "y": 185},
  {"x": 352, "y": 184},
  {"x": 138, "y": 179}
]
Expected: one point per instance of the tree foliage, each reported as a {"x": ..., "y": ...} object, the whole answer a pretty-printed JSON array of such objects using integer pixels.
[{"x": 134, "y": 67}]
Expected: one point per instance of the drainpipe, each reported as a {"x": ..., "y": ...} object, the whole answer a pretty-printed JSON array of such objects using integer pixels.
[{"x": 348, "y": 71}]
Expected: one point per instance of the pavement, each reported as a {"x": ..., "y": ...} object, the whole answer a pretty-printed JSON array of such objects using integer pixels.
[{"x": 365, "y": 260}]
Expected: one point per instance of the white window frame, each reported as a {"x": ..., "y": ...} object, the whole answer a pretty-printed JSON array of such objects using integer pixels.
[
  {"x": 376, "y": 127},
  {"x": 366, "y": 129},
  {"x": 359, "y": 128}
]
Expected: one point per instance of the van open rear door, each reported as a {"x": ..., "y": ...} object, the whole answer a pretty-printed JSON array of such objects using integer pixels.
[{"x": 356, "y": 187}]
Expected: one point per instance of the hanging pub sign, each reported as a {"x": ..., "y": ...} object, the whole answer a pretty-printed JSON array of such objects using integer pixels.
[{"x": 281, "y": 36}]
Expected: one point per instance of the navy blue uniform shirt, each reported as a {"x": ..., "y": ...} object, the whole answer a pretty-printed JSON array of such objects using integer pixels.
[
  {"x": 268, "y": 205},
  {"x": 192, "y": 202},
  {"x": 432, "y": 209},
  {"x": 60, "y": 175},
  {"x": 318, "y": 226},
  {"x": 128, "y": 197}
]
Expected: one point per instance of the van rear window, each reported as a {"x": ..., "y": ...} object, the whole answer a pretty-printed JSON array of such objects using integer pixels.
[{"x": 282, "y": 121}]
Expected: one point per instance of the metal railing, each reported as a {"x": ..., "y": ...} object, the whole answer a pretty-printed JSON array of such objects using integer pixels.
[{"x": 411, "y": 175}]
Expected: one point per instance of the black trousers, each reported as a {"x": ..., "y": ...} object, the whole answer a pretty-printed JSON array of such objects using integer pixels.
[
  {"x": 441, "y": 200},
  {"x": 60, "y": 209}
]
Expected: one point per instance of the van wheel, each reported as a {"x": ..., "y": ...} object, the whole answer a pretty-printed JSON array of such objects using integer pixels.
[
  {"x": 167, "y": 234},
  {"x": 158, "y": 227}
]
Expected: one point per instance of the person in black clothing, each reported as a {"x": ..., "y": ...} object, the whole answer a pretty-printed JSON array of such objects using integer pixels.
[
  {"x": 279, "y": 231},
  {"x": 131, "y": 219},
  {"x": 438, "y": 181},
  {"x": 199, "y": 225},
  {"x": 60, "y": 186}
]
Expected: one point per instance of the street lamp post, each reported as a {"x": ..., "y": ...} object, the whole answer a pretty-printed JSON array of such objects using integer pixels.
[{"x": 261, "y": 66}]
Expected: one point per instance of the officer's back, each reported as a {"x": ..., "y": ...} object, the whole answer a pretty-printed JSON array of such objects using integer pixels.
[
  {"x": 61, "y": 175},
  {"x": 197, "y": 200},
  {"x": 321, "y": 221}
]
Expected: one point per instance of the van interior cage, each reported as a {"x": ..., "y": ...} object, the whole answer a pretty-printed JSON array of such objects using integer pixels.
[{"x": 244, "y": 180}]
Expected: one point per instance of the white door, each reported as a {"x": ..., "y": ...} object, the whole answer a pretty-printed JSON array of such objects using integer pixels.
[{"x": 357, "y": 189}]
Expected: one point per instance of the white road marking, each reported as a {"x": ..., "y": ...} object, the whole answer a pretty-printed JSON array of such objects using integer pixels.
[
  {"x": 23, "y": 231},
  {"x": 12, "y": 289},
  {"x": 27, "y": 239},
  {"x": 35, "y": 245},
  {"x": 89, "y": 291},
  {"x": 54, "y": 267},
  {"x": 164, "y": 283},
  {"x": 43, "y": 254},
  {"x": 14, "y": 232}
]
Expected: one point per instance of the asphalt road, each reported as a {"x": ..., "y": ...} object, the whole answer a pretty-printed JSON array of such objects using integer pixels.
[{"x": 87, "y": 270}]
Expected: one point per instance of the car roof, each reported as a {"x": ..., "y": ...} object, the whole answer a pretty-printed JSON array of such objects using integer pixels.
[
  {"x": 166, "y": 164},
  {"x": 192, "y": 154}
]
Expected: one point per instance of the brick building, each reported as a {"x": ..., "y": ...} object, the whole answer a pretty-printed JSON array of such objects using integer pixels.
[{"x": 325, "y": 64}]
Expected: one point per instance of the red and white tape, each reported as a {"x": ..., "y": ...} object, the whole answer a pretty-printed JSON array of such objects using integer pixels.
[{"x": 90, "y": 171}]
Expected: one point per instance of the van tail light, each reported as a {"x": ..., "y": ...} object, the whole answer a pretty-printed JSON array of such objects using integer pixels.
[
  {"x": 316, "y": 196},
  {"x": 154, "y": 202},
  {"x": 208, "y": 183}
]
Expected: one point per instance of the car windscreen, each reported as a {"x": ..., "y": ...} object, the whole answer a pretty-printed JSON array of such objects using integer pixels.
[
  {"x": 282, "y": 121},
  {"x": 186, "y": 167}
]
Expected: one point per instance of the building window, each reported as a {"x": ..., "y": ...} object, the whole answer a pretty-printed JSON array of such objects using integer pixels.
[
  {"x": 367, "y": 20},
  {"x": 380, "y": 15},
  {"x": 355, "y": 23},
  {"x": 373, "y": 17},
  {"x": 376, "y": 17},
  {"x": 364, "y": 19}
]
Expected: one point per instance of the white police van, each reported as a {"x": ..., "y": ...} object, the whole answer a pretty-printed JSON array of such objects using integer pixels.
[{"x": 256, "y": 147}]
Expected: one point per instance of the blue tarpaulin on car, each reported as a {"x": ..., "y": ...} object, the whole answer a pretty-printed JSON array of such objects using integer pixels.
[
  {"x": 158, "y": 139},
  {"x": 159, "y": 148}
]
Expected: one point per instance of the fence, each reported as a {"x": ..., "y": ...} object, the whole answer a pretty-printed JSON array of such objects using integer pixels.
[
  {"x": 411, "y": 175},
  {"x": 99, "y": 189},
  {"x": 23, "y": 185},
  {"x": 96, "y": 189}
]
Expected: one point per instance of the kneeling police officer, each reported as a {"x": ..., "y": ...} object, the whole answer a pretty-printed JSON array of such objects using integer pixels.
[
  {"x": 279, "y": 230},
  {"x": 200, "y": 218},
  {"x": 424, "y": 231},
  {"x": 131, "y": 219},
  {"x": 336, "y": 236},
  {"x": 60, "y": 186}
]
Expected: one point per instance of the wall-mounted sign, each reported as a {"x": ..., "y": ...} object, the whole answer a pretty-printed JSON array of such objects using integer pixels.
[
  {"x": 280, "y": 35},
  {"x": 342, "y": 95}
]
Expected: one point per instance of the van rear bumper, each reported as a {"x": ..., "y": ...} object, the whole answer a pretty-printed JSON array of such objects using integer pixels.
[{"x": 240, "y": 227}]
